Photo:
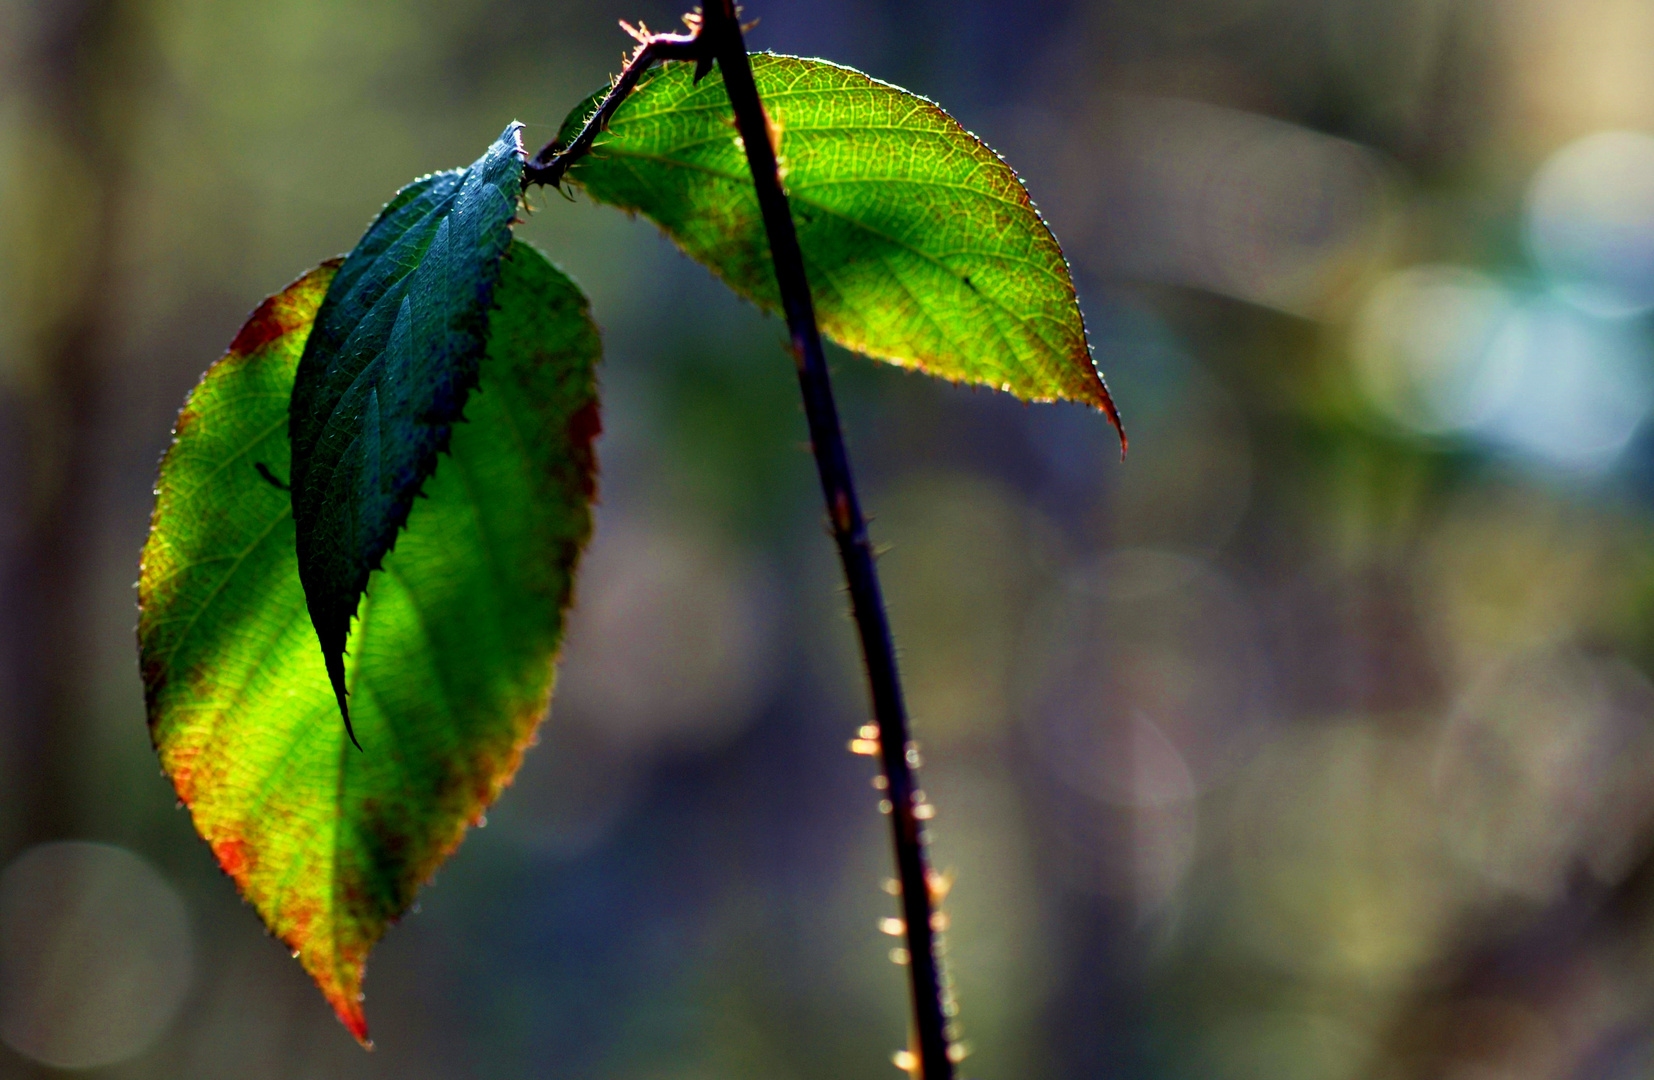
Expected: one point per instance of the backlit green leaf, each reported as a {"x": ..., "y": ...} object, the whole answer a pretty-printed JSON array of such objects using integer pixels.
[
  {"x": 920, "y": 244},
  {"x": 450, "y": 663},
  {"x": 386, "y": 373}
]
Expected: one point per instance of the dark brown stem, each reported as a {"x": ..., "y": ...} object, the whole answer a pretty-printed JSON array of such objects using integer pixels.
[
  {"x": 553, "y": 160},
  {"x": 897, "y": 753},
  {"x": 717, "y": 36}
]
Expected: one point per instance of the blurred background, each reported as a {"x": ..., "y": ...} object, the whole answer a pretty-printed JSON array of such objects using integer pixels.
[{"x": 1315, "y": 741}]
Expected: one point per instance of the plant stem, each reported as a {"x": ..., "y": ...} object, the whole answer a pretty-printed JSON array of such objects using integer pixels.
[
  {"x": 717, "y": 36},
  {"x": 553, "y": 160},
  {"x": 896, "y": 752}
]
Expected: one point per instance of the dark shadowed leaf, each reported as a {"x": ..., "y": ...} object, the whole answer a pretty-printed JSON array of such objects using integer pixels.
[
  {"x": 921, "y": 245},
  {"x": 450, "y": 663},
  {"x": 386, "y": 373}
]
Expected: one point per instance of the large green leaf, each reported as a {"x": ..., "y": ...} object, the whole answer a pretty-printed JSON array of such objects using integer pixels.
[
  {"x": 450, "y": 662},
  {"x": 385, "y": 376},
  {"x": 920, "y": 244}
]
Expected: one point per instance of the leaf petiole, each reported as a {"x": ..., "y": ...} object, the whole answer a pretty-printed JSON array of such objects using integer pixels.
[{"x": 549, "y": 165}]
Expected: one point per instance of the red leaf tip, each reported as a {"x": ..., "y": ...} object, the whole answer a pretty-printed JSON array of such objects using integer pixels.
[{"x": 351, "y": 1016}]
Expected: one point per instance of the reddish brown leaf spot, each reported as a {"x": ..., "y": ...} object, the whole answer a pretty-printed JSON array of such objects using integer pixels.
[
  {"x": 181, "y": 764},
  {"x": 235, "y": 856},
  {"x": 584, "y": 427},
  {"x": 273, "y": 319},
  {"x": 299, "y": 914},
  {"x": 356, "y": 1022}
]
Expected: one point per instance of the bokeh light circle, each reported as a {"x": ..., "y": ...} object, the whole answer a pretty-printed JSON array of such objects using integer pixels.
[
  {"x": 1444, "y": 350},
  {"x": 95, "y": 954},
  {"x": 1422, "y": 344},
  {"x": 1590, "y": 222},
  {"x": 1579, "y": 386}
]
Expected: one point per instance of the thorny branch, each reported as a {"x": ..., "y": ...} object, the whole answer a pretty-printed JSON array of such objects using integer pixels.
[{"x": 716, "y": 35}]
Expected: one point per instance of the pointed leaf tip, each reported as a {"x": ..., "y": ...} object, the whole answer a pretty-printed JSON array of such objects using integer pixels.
[
  {"x": 385, "y": 375},
  {"x": 1108, "y": 409},
  {"x": 350, "y": 1014},
  {"x": 336, "y": 676}
]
